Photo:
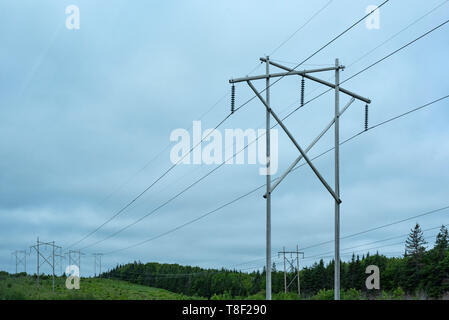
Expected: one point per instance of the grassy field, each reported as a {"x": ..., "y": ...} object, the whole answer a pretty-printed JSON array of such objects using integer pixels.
[
  {"x": 22, "y": 287},
  {"x": 25, "y": 288}
]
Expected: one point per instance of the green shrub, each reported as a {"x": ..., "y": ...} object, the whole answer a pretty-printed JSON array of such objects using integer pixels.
[
  {"x": 398, "y": 294},
  {"x": 12, "y": 295},
  {"x": 324, "y": 294},
  {"x": 257, "y": 296},
  {"x": 351, "y": 294},
  {"x": 224, "y": 296},
  {"x": 286, "y": 296},
  {"x": 384, "y": 295}
]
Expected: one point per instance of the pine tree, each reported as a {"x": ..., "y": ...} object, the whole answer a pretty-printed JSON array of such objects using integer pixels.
[
  {"x": 352, "y": 273},
  {"x": 442, "y": 242},
  {"x": 359, "y": 273},
  {"x": 415, "y": 243},
  {"x": 415, "y": 249}
]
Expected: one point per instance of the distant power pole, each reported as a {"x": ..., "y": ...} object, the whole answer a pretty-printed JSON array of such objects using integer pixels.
[
  {"x": 97, "y": 262},
  {"x": 21, "y": 259},
  {"x": 61, "y": 257},
  {"x": 335, "y": 193},
  {"x": 50, "y": 260},
  {"x": 38, "y": 263},
  {"x": 75, "y": 258},
  {"x": 291, "y": 261}
]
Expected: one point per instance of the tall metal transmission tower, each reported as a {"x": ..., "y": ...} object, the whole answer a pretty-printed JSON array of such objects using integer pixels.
[
  {"x": 75, "y": 258},
  {"x": 294, "y": 257},
  {"x": 61, "y": 257},
  {"x": 50, "y": 260},
  {"x": 97, "y": 262},
  {"x": 21, "y": 259},
  {"x": 335, "y": 193}
]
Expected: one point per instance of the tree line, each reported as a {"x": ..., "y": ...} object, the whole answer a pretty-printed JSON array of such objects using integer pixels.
[{"x": 420, "y": 271}]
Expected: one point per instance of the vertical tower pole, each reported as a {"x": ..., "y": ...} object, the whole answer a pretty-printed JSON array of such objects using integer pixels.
[
  {"x": 53, "y": 266},
  {"x": 60, "y": 260},
  {"x": 285, "y": 271},
  {"x": 268, "y": 174},
  {"x": 15, "y": 254},
  {"x": 297, "y": 266},
  {"x": 337, "y": 183},
  {"x": 37, "y": 254}
]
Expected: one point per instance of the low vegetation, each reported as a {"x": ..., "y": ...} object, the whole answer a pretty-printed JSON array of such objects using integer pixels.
[
  {"x": 22, "y": 287},
  {"x": 419, "y": 274}
]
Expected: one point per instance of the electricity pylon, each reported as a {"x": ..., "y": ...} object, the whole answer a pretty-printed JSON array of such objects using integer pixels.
[
  {"x": 335, "y": 193},
  {"x": 61, "y": 257},
  {"x": 294, "y": 257},
  {"x": 21, "y": 259},
  {"x": 50, "y": 260},
  {"x": 97, "y": 262},
  {"x": 75, "y": 258}
]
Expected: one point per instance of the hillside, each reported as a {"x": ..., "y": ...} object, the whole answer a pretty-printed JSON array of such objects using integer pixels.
[
  {"x": 421, "y": 272},
  {"x": 23, "y": 287}
]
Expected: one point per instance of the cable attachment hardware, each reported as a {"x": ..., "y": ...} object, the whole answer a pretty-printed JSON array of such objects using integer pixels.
[
  {"x": 366, "y": 117},
  {"x": 233, "y": 99},
  {"x": 303, "y": 84}
]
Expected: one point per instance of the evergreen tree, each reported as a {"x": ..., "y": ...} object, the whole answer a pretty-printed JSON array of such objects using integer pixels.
[
  {"x": 420, "y": 272},
  {"x": 352, "y": 273},
  {"x": 415, "y": 243},
  {"x": 359, "y": 283},
  {"x": 442, "y": 242},
  {"x": 435, "y": 270},
  {"x": 415, "y": 249}
]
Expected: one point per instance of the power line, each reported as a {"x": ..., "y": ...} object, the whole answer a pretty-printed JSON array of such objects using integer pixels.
[
  {"x": 335, "y": 38},
  {"x": 408, "y": 112},
  {"x": 241, "y": 106},
  {"x": 304, "y": 64},
  {"x": 321, "y": 255},
  {"x": 399, "y": 32},
  {"x": 191, "y": 221},
  {"x": 230, "y": 268},
  {"x": 293, "y": 34},
  {"x": 373, "y": 242},
  {"x": 295, "y": 111},
  {"x": 164, "y": 149},
  {"x": 256, "y": 189},
  {"x": 385, "y": 41},
  {"x": 301, "y": 27},
  {"x": 261, "y": 186},
  {"x": 370, "y": 66},
  {"x": 380, "y": 227},
  {"x": 175, "y": 196},
  {"x": 317, "y": 51},
  {"x": 397, "y": 50},
  {"x": 157, "y": 155},
  {"x": 326, "y": 254},
  {"x": 365, "y": 250},
  {"x": 151, "y": 185}
]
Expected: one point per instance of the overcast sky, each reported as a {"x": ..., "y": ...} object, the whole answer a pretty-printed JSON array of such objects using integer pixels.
[{"x": 84, "y": 112}]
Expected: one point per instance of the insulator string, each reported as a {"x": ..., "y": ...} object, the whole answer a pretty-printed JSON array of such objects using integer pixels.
[
  {"x": 303, "y": 84},
  {"x": 233, "y": 99},
  {"x": 366, "y": 117}
]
